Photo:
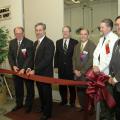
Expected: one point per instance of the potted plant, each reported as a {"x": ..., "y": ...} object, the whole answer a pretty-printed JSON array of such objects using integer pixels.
[{"x": 4, "y": 36}]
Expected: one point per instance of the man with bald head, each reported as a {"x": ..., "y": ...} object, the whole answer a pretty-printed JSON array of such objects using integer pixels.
[{"x": 19, "y": 56}]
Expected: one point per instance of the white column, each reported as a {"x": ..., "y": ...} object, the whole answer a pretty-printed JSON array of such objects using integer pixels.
[{"x": 118, "y": 7}]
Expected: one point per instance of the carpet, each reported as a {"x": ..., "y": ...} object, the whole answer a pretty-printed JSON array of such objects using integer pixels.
[{"x": 59, "y": 113}]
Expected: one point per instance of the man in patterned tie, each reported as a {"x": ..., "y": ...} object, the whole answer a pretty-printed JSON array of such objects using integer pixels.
[
  {"x": 19, "y": 56},
  {"x": 63, "y": 63},
  {"x": 82, "y": 61},
  {"x": 43, "y": 66}
]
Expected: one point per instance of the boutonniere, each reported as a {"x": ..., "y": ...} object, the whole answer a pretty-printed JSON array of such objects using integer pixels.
[
  {"x": 24, "y": 52},
  {"x": 107, "y": 48},
  {"x": 85, "y": 52}
]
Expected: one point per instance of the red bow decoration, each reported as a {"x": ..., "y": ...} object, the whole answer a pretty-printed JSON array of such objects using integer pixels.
[{"x": 97, "y": 90}]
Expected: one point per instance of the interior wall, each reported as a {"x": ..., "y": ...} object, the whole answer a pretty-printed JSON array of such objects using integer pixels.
[
  {"x": 51, "y": 12},
  {"x": 74, "y": 16},
  {"x": 16, "y": 15}
]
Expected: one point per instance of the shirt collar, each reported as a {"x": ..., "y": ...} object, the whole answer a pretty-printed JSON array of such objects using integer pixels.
[
  {"x": 19, "y": 41},
  {"x": 41, "y": 39}
]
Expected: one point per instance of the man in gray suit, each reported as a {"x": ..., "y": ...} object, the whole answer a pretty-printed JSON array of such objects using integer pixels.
[
  {"x": 19, "y": 56},
  {"x": 82, "y": 61},
  {"x": 115, "y": 70}
]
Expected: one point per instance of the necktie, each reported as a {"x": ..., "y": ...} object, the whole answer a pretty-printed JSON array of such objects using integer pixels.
[
  {"x": 18, "y": 49},
  {"x": 65, "y": 47},
  {"x": 81, "y": 47},
  {"x": 103, "y": 41},
  {"x": 101, "y": 46},
  {"x": 36, "y": 49}
]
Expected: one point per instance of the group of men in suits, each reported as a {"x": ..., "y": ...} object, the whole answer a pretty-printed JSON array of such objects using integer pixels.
[
  {"x": 26, "y": 57},
  {"x": 72, "y": 60}
]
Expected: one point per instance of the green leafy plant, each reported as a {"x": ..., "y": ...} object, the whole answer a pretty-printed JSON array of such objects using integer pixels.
[{"x": 4, "y": 36}]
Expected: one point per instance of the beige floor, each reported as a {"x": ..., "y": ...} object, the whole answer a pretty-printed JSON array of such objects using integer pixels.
[{"x": 6, "y": 107}]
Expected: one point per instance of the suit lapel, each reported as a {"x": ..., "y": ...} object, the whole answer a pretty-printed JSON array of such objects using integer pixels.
[
  {"x": 22, "y": 44},
  {"x": 86, "y": 46},
  {"x": 61, "y": 45},
  {"x": 15, "y": 46},
  {"x": 69, "y": 45}
]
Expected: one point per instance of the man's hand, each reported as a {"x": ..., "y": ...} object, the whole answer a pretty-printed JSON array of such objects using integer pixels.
[
  {"x": 21, "y": 72},
  {"x": 32, "y": 72},
  {"x": 56, "y": 70},
  {"x": 15, "y": 68},
  {"x": 112, "y": 81},
  {"x": 96, "y": 69},
  {"x": 28, "y": 71},
  {"x": 77, "y": 73}
]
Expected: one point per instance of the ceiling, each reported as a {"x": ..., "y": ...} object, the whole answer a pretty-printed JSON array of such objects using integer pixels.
[{"x": 84, "y": 2}]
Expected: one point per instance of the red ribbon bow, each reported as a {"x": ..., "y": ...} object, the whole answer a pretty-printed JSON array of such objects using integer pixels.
[{"x": 97, "y": 90}]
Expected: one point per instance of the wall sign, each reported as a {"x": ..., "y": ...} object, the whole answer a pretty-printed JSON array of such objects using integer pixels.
[{"x": 5, "y": 13}]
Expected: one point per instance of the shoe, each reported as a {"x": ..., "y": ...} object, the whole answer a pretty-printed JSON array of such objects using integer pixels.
[
  {"x": 16, "y": 108},
  {"x": 72, "y": 105},
  {"x": 62, "y": 103},
  {"x": 44, "y": 117},
  {"x": 38, "y": 110},
  {"x": 28, "y": 109},
  {"x": 81, "y": 109}
]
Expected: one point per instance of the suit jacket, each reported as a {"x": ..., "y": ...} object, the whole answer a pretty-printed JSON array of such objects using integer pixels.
[
  {"x": 43, "y": 62},
  {"x": 105, "y": 54},
  {"x": 114, "y": 63},
  {"x": 23, "y": 59},
  {"x": 83, "y": 65},
  {"x": 64, "y": 62}
]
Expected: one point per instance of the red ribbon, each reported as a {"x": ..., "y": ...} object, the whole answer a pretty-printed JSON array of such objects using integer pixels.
[
  {"x": 97, "y": 90},
  {"x": 48, "y": 80}
]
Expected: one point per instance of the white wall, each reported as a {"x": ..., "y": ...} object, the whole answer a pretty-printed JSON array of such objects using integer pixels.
[
  {"x": 48, "y": 11},
  {"x": 74, "y": 15},
  {"x": 16, "y": 14}
]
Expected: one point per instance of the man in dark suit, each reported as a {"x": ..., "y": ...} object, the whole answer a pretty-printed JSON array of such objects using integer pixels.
[
  {"x": 43, "y": 65},
  {"x": 82, "y": 61},
  {"x": 63, "y": 63},
  {"x": 115, "y": 70},
  {"x": 19, "y": 55}
]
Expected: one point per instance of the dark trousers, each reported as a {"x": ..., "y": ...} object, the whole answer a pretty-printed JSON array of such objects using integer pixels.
[
  {"x": 81, "y": 93},
  {"x": 45, "y": 93},
  {"x": 19, "y": 91},
  {"x": 64, "y": 94},
  {"x": 106, "y": 112},
  {"x": 117, "y": 99},
  {"x": 64, "y": 89}
]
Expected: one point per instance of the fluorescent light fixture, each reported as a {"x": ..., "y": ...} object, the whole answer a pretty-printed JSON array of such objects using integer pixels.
[{"x": 76, "y": 1}]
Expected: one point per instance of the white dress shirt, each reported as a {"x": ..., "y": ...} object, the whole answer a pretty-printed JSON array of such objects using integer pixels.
[
  {"x": 105, "y": 58},
  {"x": 41, "y": 39}
]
